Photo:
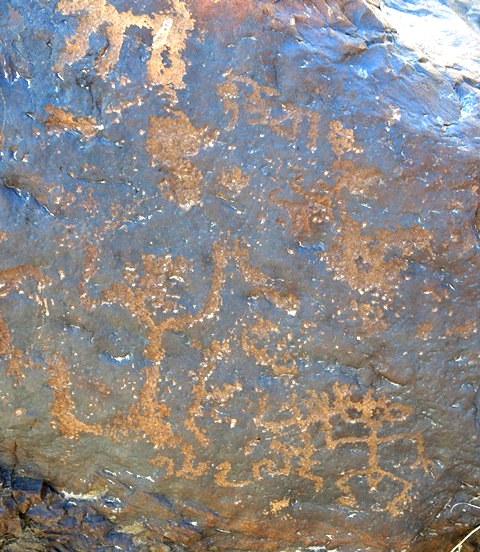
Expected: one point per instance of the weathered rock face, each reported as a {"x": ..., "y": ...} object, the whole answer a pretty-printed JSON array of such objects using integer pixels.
[
  {"x": 239, "y": 268},
  {"x": 35, "y": 517}
]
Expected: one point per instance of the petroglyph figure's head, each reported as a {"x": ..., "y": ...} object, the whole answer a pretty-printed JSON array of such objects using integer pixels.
[{"x": 169, "y": 32}]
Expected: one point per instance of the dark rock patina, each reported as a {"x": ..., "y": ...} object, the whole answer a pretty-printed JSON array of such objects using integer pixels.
[
  {"x": 34, "y": 517},
  {"x": 239, "y": 259}
]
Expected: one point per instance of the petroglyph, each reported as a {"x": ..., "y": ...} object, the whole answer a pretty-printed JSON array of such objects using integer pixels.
[
  {"x": 371, "y": 420},
  {"x": 11, "y": 280},
  {"x": 308, "y": 209},
  {"x": 205, "y": 395},
  {"x": 63, "y": 405},
  {"x": 288, "y": 454},
  {"x": 261, "y": 283},
  {"x": 292, "y": 432},
  {"x": 234, "y": 180},
  {"x": 293, "y": 445},
  {"x": 260, "y": 104},
  {"x": 222, "y": 480},
  {"x": 259, "y": 341},
  {"x": 342, "y": 139},
  {"x": 148, "y": 417},
  {"x": 229, "y": 94},
  {"x": 258, "y": 223},
  {"x": 169, "y": 30},
  {"x": 61, "y": 120},
  {"x": 172, "y": 143},
  {"x": 367, "y": 417},
  {"x": 367, "y": 260}
]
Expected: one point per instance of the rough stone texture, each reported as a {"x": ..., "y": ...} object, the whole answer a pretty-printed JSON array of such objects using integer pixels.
[
  {"x": 239, "y": 252},
  {"x": 34, "y": 517}
]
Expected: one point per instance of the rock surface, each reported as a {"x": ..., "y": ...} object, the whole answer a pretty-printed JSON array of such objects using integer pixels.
[
  {"x": 34, "y": 517},
  {"x": 239, "y": 259}
]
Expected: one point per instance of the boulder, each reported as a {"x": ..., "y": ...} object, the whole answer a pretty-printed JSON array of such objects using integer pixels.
[{"x": 239, "y": 258}]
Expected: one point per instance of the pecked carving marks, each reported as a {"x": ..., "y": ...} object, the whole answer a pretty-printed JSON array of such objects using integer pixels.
[
  {"x": 293, "y": 434},
  {"x": 172, "y": 143},
  {"x": 364, "y": 421},
  {"x": 342, "y": 139},
  {"x": 258, "y": 104},
  {"x": 346, "y": 422},
  {"x": 60, "y": 120},
  {"x": 289, "y": 433},
  {"x": 148, "y": 417},
  {"x": 368, "y": 260},
  {"x": 309, "y": 210},
  {"x": 258, "y": 342},
  {"x": 360, "y": 258},
  {"x": 169, "y": 34},
  {"x": 11, "y": 280},
  {"x": 149, "y": 299},
  {"x": 63, "y": 406}
]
